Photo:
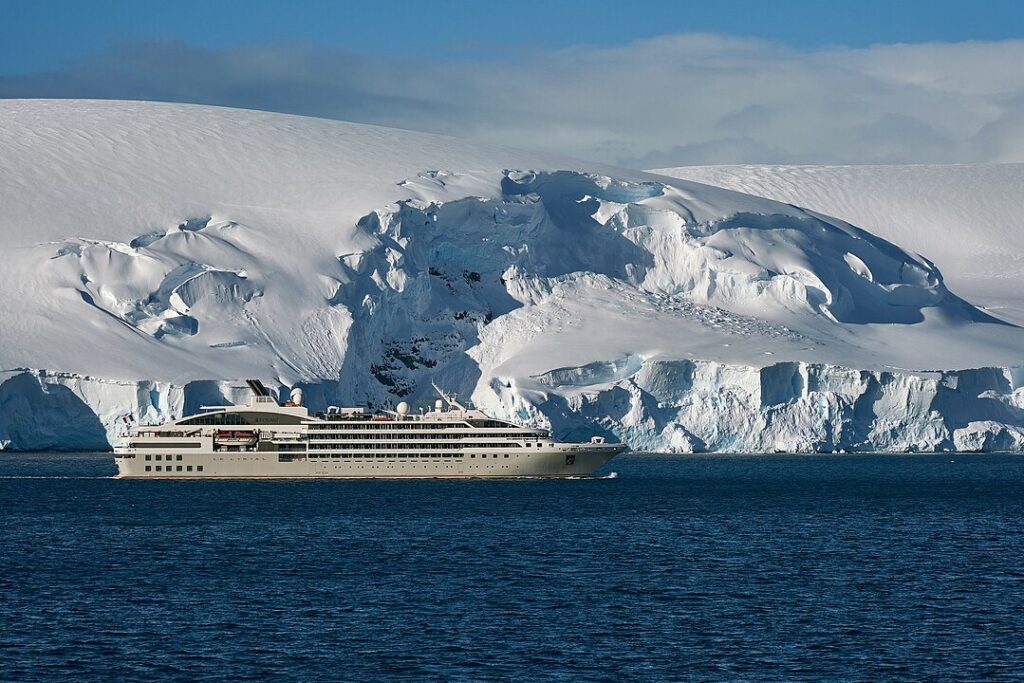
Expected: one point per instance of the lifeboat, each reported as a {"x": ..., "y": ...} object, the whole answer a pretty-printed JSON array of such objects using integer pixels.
[{"x": 227, "y": 437}]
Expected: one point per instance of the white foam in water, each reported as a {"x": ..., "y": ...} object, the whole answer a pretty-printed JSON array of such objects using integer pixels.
[{"x": 48, "y": 477}]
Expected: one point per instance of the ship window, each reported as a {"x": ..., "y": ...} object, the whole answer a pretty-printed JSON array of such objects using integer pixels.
[
  {"x": 216, "y": 419},
  {"x": 148, "y": 468},
  {"x": 179, "y": 466},
  {"x": 158, "y": 468},
  {"x": 199, "y": 468},
  {"x": 188, "y": 468},
  {"x": 178, "y": 458},
  {"x": 148, "y": 456},
  {"x": 506, "y": 455},
  {"x": 159, "y": 457}
]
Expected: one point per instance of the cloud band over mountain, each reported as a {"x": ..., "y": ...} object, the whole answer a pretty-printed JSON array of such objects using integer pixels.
[{"x": 673, "y": 100}]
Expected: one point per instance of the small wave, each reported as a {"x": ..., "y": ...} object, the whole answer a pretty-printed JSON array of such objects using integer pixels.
[{"x": 610, "y": 475}]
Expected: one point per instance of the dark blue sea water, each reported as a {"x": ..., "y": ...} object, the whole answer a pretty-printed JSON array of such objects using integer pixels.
[{"x": 787, "y": 568}]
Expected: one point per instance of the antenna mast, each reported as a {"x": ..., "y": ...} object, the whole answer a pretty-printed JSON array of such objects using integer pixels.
[{"x": 449, "y": 399}]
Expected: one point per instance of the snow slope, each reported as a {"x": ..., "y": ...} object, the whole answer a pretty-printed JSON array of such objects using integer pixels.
[
  {"x": 155, "y": 254},
  {"x": 968, "y": 219}
]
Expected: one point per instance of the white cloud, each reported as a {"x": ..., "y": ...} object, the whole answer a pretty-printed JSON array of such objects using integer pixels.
[{"x": 665, "y": 101}]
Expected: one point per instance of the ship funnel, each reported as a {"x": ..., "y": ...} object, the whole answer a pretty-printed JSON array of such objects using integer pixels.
[
  {"x": 296, "y": 396},
  {"x": 257, "y": 387}
]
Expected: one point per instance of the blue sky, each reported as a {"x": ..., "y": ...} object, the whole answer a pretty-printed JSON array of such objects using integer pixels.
[
  {"x": 636, "y": 83},
  {"x": 45, "y": 34}
]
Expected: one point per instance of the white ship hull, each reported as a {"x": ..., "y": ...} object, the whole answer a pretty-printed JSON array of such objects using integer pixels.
[{"x": 563, "y": 461}]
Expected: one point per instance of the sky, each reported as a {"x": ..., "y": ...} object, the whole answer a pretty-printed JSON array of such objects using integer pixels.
[{"x": 641, "y": 84}]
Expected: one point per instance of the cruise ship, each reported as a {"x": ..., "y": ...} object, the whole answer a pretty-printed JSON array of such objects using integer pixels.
[{"x": 265, "y": 439}]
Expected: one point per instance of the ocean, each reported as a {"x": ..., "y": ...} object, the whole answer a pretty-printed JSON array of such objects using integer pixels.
[{"x": 725, "y": 568}]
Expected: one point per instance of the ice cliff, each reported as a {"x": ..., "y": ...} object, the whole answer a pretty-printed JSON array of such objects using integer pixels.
[
  {"x": 678, "y": 406},
  {"x": 145, "y": 278}
]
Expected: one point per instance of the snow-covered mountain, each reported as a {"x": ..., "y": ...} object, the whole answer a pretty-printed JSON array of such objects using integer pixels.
[{"x": 156, "y": 254}]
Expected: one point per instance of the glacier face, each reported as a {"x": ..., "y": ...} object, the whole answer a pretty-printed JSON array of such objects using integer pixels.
[
  {"x": 695, "y": 406},
  {"x": 42, "y": 410},
  {"x": 679, "y": 406},
  {"x": 675, "y": 316}
]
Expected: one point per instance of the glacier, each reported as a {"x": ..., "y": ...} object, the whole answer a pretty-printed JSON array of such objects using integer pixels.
[
  {"x": 678, "y": 406},
  {"x": 158, "y": 254}
]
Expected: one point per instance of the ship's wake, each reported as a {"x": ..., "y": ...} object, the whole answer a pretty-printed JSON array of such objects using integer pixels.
[
  {"x": 43, "y": 476},
  {"x": 610, "y": 475}
]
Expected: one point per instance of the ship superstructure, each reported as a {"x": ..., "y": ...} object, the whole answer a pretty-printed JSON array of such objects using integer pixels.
[{"x": 266, "y": 439}]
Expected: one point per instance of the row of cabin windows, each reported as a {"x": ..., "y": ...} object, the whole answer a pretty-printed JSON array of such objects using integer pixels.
[
  {"x": 216, "y": 419},
  {"x": 392, "y": 435},
  {"x": 388, "y": 424},
  {"x": 359, "y": 446},
  {"x": 403, "y": 456},
  {"x": 174, "y": 468},
  {"x": 392, "y": 424},
  {"x": 489, "y": 423},
  {"x": 406, "y": 446},
  {"x": 242, "y": 418}
]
